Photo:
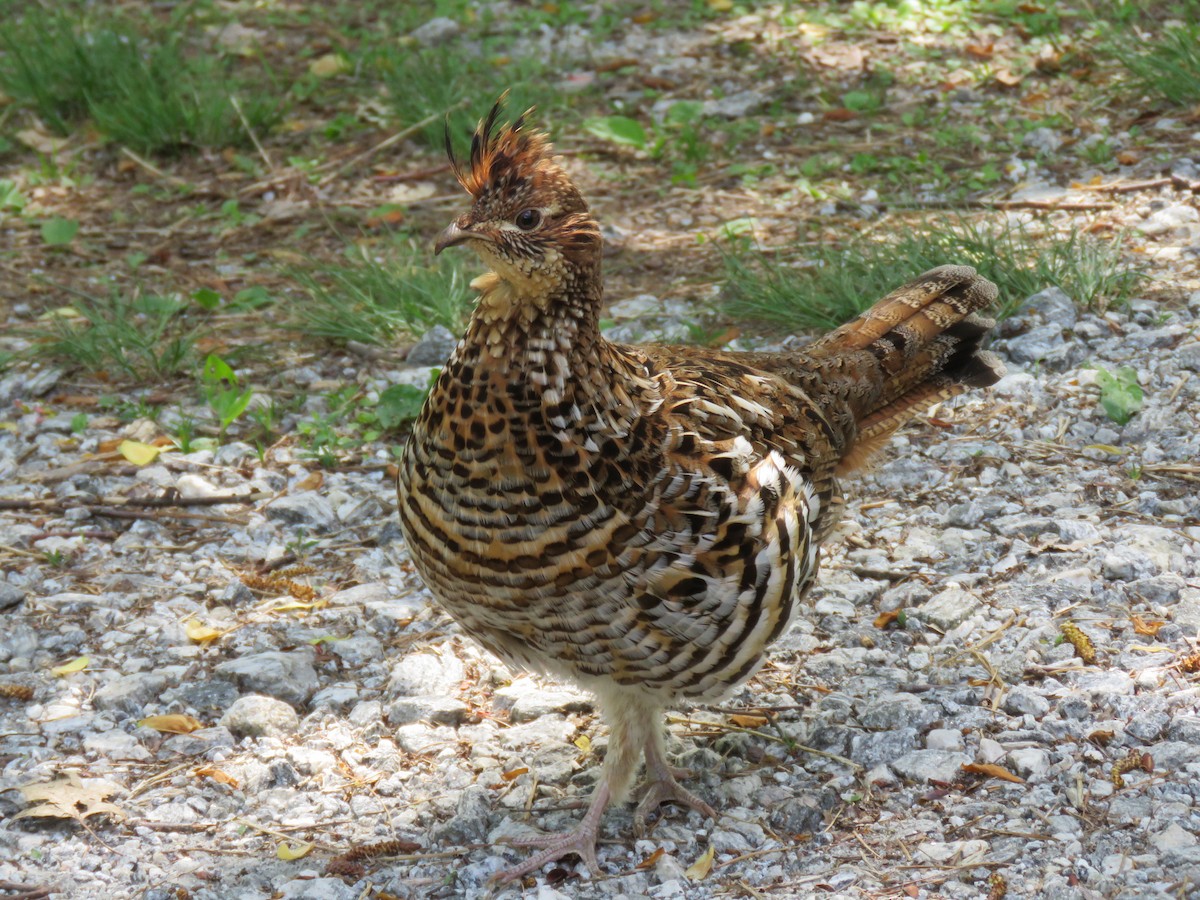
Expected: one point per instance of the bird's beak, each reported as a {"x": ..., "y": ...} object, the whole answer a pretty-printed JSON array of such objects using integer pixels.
[{"x": 450, "y": 236}]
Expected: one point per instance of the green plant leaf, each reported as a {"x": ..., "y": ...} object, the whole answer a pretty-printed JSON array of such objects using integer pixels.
[
  {"x": 1120, "y": 394},
  {"x": 860, "y": 101},
  {"x": 217, "y": 370},
  {"x": 207, "y": 298},
  {"x": 399, "y": 404},
  {"x": 684, "y": 112},
  {"x": 618, "y": 129},
  {"x": 250, "y": 298},
  {"x": 58, "y": 231}
]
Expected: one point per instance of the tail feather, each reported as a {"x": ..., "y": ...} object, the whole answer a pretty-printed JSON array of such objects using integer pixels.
[{"x": 919, "y": 345}]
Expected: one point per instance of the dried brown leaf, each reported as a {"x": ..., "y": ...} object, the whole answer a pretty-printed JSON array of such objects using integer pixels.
[
  {"x": 650, "y": 860},
  {"x": 743, "y": 721},
  {"x": 1006, "y": 78},
  {"x": 175, "y": 723},
  {"x": 1149, "y": 628},
  {"x": 991, "y": 770},
  {"x": 71, "y": 797},
  {"x": 884, "y": 619},
  {"x": 216, "y": 775}
]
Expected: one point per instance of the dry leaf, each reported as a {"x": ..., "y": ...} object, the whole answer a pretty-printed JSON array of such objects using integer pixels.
[
  {"x": 175, "y": 723},
  {"x": 992, "y": 771},
  {"x": 70, "y": 797},
  {"x": 199, "y": 633},
  {"x": 884, "y": 619},
  {"x": 980, "y": 51},
  {"x": 296, "y": 604},
  {"x": 138, "y": 453},
  {"x": 620, "y": 62},
  {"x": 748, "y": 721},
  {"x": 329, "y": 65},
  {"x": 60, "y": 312},
  {"x": 584, "y": 743},
  {"x": 699, "y": 870},
  {"x": 216, "y": 775},
  {"x": 1141, "y": 626},
  {"x": 76, "y": 665},
  {"x": 838, "y": 115},
  {"x": 1101, "y": 738},
  {"x": 41, "y": 141},
  {"x": 289, "y": 852},
  {"x": 650, "y": 860},
  {"x": 720, "y": 5},
  {"x": 1006, "y": 78},
  {"x": 311, "y": 482},
  {"x": 513, "y": 774}
]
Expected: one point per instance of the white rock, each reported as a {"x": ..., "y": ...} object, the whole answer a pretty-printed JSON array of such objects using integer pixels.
[
  {"x": 1029, "y": 762},
  {"x": 256, "y": 715},
  {"x": 944, "y": 739}
]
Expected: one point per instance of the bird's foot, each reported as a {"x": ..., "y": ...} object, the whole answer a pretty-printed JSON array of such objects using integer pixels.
[
  {"x": 581, "y": 841},
  {"x": 662, "y": 787}
]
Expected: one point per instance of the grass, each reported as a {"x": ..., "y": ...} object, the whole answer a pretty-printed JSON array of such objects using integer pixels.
[
  {"x": 147, "y": 92},
  {"x": 1167, "y": 67},
  {"x": 143, "y": 338},
  {"x": 841, "y": 282},
  {"x": 374, "y": 301},
  {"x": 460, "y": 85}
]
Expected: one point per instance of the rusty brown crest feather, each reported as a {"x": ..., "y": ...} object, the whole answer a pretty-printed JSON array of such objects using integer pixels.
[{"x": 500, "y": 157}]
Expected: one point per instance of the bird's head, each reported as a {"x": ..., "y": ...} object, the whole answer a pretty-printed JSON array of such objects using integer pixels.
[{"x": 528, "y": 222}]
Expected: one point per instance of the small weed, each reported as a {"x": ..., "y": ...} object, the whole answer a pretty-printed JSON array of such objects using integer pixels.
[
  {"x": 130, "y": 409},
  {"x": 11, "y": 198},
  {"x": 142, "y": 338},
  {"x": 843, "y": 281},
  {"x": 1099, "y": 152},
  {"x": 372, "y": 300},
  {"x": 1120, "y": 393},
  {"x": 225, "y": 399},
  {"x": 79, "y": 423},
  {"x": 351, "y": 419},
  {"x": 678, "y": 139}
]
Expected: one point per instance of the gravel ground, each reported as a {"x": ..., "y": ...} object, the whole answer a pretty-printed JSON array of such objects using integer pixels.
[
  {"x": 362, "y": 715},
  {"x": 341, "y": 709}
]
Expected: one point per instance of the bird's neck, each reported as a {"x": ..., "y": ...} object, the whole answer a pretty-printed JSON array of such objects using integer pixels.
[{"x": 518, "y": 323}]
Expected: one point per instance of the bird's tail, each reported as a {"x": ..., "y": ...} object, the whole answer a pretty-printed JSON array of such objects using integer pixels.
[{"x": 919, "y": 345}]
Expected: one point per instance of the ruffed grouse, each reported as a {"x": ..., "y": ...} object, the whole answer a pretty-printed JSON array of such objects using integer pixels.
[{"x": 642, "y": 520}]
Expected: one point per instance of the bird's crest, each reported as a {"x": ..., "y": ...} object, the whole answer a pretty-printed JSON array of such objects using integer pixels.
[{"x": 511, "y": 158}]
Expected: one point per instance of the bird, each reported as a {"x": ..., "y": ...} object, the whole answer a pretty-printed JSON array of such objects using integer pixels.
[{"x": 642, "y": 520}]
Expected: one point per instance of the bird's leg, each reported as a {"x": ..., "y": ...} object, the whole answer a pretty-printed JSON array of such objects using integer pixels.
[
  {"x": 628, "y": 720},
  {"x": 581, "y": 840},
  {"x": 662, "y": 786}
]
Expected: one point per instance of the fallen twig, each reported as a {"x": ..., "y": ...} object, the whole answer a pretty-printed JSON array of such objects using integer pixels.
[
  {"x": 49, "y": 504},
  {"x": 1130, "y": 187}
]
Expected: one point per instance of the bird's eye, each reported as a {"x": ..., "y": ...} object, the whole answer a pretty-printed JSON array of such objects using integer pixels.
[{"x": 528, "y": 219}]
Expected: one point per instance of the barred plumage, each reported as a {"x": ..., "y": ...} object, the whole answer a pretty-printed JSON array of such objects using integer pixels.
[{"x": 642, "y": 520}]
